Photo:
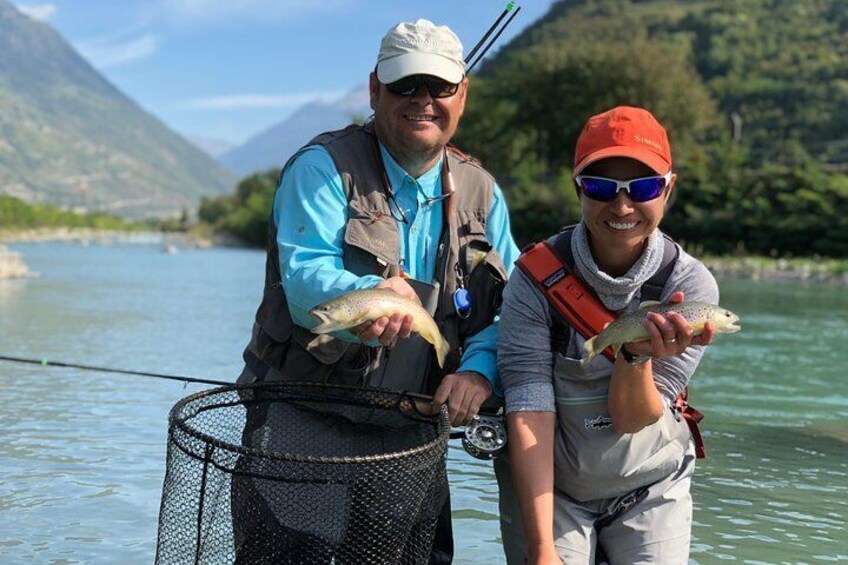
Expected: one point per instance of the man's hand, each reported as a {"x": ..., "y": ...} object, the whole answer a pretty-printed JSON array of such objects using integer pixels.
[
  {"x": 388, "y": 329},
  {"x": 399, "y": 285},
  {"x": 464, "y": 393},
  {"x": 670, "y": 334}
]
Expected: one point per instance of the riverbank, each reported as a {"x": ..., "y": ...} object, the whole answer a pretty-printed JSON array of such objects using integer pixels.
[
  {"x": 812, "y": 270},
  {"x": 192, "y": 239},
  {"x": 13, "y": 265}
]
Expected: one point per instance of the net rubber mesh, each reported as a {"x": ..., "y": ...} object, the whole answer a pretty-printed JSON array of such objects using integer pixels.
[{"x": 301, "y": 474}]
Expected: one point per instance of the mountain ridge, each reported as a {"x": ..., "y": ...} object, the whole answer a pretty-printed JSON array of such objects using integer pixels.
[
  {"x": 70, "y": 138},
  {"x": 273, "y": 146}
]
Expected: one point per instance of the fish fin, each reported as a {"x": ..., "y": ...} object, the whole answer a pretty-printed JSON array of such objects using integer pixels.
[
  {"x": 589, "y": 348},
  {"x": 324, "y": 328},
  {"x": 648, "y": 304}
]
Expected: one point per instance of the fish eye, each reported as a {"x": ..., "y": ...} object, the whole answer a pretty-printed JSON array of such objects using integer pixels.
[{"x": 325, "y": 308}]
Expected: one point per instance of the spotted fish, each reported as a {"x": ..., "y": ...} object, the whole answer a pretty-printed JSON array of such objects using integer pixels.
[
  {"x": 631, "y": 327},
  {"x": 358, "y": 306}
]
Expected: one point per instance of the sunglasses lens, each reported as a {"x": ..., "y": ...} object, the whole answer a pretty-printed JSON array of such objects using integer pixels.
[
  {"x": 604, "y": 190},
  {"x": 408, "y": 86},
  {"x": 405, "y": 86},
  {"x": 643, "y": 190},
  {"x": 441, "y": 88}
]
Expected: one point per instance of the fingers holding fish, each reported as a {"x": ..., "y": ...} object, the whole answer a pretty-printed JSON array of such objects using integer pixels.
[
  {"x": 399, "y": 285},
  {"x": 669, "y": 335},
  {"x": 706, "y": 336},
  {"x": 386, "y": 329},
  {"x": 676, "y": 298}
]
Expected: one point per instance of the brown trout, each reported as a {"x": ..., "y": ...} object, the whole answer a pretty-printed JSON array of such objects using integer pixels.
[
  {"x": 631, "y": 327},
  {"x": 358, "y": 306}
]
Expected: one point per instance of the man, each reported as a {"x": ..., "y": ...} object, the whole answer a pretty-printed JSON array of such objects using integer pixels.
[{"x": 390, "y": 205}]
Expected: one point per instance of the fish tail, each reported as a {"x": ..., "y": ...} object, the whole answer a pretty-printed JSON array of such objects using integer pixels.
[
  {"x": 440, "y": 344},
  {"x": 442, "y": 351}
]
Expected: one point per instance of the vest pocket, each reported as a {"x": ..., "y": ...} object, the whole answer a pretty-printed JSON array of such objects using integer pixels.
[
  {"x": 486, "y": 278},
  {"x": 311, "y": 357},
  {"x": 371, "y": 237}
]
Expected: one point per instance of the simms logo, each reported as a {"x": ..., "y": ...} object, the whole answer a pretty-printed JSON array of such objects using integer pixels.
[
  {"x": 598, "y": 423},
  {"x": 647, "y": 141}
]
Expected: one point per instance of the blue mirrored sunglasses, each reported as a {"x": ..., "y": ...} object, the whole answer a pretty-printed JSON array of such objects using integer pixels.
[{"x": 605, "y": 189}]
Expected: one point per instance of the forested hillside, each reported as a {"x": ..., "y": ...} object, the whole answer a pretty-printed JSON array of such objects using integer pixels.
[{"x": 754, "y": 94}]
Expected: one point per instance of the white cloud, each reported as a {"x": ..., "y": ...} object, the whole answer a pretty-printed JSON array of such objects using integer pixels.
[
  {"x": 38, "y": 12},
  {"x": 215, "y": 11},
  {"x": 105, "y": 53},
  {"x": 260, "y": 100}
]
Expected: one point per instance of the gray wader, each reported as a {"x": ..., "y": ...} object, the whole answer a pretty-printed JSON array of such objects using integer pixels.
[
  {"x": 623, "y": 498},
  {"x": 280, "y": 350}
]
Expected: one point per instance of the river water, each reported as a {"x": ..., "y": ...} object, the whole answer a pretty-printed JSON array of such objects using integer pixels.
[{"x": 82, "y": 454}]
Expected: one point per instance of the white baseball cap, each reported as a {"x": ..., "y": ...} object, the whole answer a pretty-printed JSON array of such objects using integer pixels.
[{"x": 420, "y": 48}]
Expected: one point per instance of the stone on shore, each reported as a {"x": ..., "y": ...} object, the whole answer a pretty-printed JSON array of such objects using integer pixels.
[{"x": 12, "y": 265}]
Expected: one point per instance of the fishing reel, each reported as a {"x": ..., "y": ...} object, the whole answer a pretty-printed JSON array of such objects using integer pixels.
[{"x": 485, "y": 437}]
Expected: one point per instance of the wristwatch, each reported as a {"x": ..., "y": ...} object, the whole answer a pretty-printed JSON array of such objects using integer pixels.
[{"x": 634, "y": 359}]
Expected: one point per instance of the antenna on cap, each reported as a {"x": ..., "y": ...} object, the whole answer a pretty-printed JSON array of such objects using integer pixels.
[{"x": 468, "y": 60}]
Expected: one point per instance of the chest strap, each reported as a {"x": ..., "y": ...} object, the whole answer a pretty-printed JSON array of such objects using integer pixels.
[{"x": 550, "y": 265}]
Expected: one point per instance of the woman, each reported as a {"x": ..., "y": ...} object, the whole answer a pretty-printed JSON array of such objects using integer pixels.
[{"x": 600, "y": 462}]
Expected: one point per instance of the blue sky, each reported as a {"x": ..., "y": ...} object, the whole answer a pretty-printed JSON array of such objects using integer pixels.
[{"x": 229, "y": 69}]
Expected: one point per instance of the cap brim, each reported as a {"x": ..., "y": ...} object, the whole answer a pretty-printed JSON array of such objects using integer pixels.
[
  {"x": 649, "y": 158},
  {"x": 396, "y": 68}
]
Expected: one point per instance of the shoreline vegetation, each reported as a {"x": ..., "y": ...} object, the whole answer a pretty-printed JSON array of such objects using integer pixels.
[{"x": 13, "y": 265}]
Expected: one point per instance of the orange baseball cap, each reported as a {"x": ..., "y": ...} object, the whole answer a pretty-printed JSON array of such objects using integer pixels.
[{"x": 623, "y": 131}]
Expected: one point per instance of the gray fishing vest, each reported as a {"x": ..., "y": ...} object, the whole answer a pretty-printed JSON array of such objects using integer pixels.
[
  {"x": 281, "y": 350},
  {"x": 592, "y": 461}
]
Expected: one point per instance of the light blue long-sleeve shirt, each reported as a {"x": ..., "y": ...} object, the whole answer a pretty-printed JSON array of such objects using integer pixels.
[{"x": 310, "y": 211}]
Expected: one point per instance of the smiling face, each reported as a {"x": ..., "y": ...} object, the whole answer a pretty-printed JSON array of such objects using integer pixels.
[
  {"x": 415, "y": 128},
  {"x": 619, "y": 229}
]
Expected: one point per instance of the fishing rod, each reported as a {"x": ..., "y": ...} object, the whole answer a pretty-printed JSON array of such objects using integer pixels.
[
  {"x": 468, "y": 60},
  {"x": 48, "y": 363},
  {"x": 483, "y": 438}
]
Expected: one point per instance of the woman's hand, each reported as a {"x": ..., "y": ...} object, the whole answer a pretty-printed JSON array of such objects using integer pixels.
[
  {"x": 670, "y": 334},
  {"x": 546, "y": 555}
]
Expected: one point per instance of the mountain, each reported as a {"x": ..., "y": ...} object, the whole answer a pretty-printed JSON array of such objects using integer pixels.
[
  {"x": 70, "y": 138},
  {"x": 212, "y": 147},
  {"x": 272, "y": 147}
]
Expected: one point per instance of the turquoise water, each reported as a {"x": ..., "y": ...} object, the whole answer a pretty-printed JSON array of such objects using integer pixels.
[{"x": 82, "y": 454}]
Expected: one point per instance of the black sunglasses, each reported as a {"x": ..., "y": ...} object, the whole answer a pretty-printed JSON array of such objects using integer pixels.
[{"x": 437, "y": 87}]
